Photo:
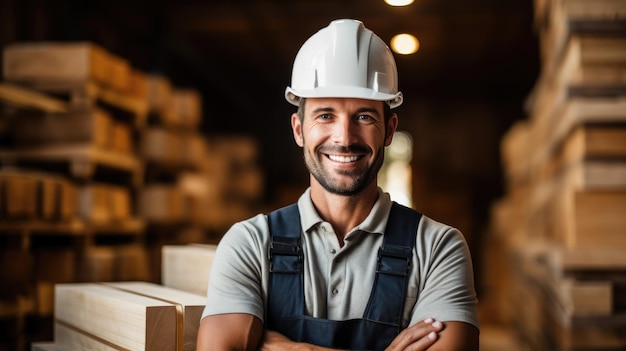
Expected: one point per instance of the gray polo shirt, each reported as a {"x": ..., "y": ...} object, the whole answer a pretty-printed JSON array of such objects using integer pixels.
[{"x": 338, "y": 280}]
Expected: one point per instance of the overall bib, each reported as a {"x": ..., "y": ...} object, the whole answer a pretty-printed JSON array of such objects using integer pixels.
[{"x": 382, "y": 319}]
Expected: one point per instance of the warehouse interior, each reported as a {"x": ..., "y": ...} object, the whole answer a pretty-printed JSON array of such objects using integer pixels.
[{"x": 489, "y": 154}]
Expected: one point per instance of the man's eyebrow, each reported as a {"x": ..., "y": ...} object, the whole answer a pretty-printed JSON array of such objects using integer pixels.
[
  {"x": 323, "y": 109},
  {"x": 367, "y": 109},
  {"x": 358, "y": 111}
]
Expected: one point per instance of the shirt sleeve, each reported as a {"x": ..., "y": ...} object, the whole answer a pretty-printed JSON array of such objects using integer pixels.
[
  {"x": 447, "y": 281},
  {"x": 235, "y": 282}
]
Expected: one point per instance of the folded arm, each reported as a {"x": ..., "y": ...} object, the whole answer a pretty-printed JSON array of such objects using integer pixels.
[{"x": 230, "y": 332}]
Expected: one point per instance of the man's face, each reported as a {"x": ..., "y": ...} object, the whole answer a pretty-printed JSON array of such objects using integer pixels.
[{"x": 343, "y": 142}]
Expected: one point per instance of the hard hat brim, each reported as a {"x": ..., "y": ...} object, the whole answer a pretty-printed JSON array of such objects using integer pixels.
[{"x": 294, "y": 96}]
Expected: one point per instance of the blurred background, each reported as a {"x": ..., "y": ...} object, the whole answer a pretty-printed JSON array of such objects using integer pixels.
[{"x": 130, "y": 125}]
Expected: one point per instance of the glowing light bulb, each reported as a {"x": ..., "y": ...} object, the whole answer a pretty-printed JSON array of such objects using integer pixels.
[
  {"x": 405, "y": 44},
  {"x": 399, "y": 2}
]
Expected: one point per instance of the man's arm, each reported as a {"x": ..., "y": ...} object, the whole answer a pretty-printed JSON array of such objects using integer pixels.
[
  {"x": 450, "y": 336},
  {"x": 419, "y": 337},
  {"x": 457, "y": 336},
  {"x": 230, "y": 332}
]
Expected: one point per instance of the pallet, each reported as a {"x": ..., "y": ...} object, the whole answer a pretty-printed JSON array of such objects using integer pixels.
[
  {"x": 27, "y": 99},
  {"x": 36, "y": 196},
  {"x": 81, "y": 160},
  {"x": 88, "y": 95},
  {"x": 562, "y": 18},
  {"x": 572, "y": 312},
  {"x": 65, "y": 62}
]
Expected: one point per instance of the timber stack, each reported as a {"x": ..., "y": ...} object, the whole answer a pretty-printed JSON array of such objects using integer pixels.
[
  {"x": 561, "y": 278},
  {"x": 101, "y": 166},
  {"x": 69, "y": 174}
]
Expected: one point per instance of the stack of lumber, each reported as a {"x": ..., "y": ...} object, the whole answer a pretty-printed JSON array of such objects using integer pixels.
[
  {"x": 124, "y": 316},
  {"x": 171, "y": 144},
  {"x": 69, "y": 168},
  {"x": 562, "y": 220},
  {"x": 101, "y": 165}
]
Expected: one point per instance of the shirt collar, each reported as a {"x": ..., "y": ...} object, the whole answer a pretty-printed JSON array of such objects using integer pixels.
[{"x": 375, "y": 222}]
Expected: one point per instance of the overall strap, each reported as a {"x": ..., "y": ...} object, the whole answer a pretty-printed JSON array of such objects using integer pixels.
[
  {"x": 386, "y": 303},
  {"x": 286, "y": 265}
]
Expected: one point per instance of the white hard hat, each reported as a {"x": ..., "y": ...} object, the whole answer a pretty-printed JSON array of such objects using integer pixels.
[{"x": 345, "y": 60}]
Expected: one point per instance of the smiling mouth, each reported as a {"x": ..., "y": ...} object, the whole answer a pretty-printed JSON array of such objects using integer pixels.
[{"x": 344, "y": 159}]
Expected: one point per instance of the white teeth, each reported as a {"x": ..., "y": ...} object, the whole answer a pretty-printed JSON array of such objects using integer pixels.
[{"x": 343, "y": 158}]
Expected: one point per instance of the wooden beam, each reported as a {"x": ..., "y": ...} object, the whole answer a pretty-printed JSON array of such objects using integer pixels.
[
  {"x": 191, "y": 306},
  {"x": 180, "y": 261},
  {"x": 126, "y": 320}
]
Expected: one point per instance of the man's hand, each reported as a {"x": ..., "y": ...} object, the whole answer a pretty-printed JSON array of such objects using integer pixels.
[
  {"x": 275, "y": 341},
  {"x": 418, "y": 337}
]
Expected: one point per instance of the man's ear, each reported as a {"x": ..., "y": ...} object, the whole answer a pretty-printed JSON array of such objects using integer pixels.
[
  {"x": 392, "y": 124},
  {"x": 296, "y": 127}
]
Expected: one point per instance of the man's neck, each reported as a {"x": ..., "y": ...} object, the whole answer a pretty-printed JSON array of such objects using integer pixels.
[{"x": 343, "y": 212}]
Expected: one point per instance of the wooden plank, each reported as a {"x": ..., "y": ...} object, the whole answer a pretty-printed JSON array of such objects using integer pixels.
[
  {"x": 162, "y": 146},
  {"x": 564, "y": 260},
  {"x": 565, "y": 17},
  {"x": 188, "y": 107},
  {"x": 119, "y": 202},
  {"x": 193, "y": 149},
  {"x": 552, "y": 323},
  {"x": 67, "y": 202},
  {"x": 591, "y": 218},
  {"x": 56, "y": 61},
  {"x": 97, "y": 264},
  {"x": 180, "y": 260},
  {"x": 24, "y": 98},
  {"x": 162, "y": 204},
  {"x": 93, "y": 203},
  {"x": 593, "y": 61},
  {"x": 579, "y": 111},
  {"x": 124, "y": 319},
  {"x": 19, "y": 194},
  {"x": 66, "y": 62},
  {"x": 549, "y": 135},
  {"x": 191, "y": 305},
  {"x": 594, "y": 174},
  {"x": 587, "y": 298},
  {"x": 122, "y": 137},
  {"x": 138, "y": 85},
  {"x": 160, "y": 100},
  {"x": 131, "y": 263},
  {"x": 82, "y": 158},
  {"x": 93, "y": 126},
  {"x": 47, "y": 198},
  {"x": 594, "y": 141},
  {"x": 45, "y": 346},
  {"x": 70, "y": 338},
  {"x": 515, "y": 150}
]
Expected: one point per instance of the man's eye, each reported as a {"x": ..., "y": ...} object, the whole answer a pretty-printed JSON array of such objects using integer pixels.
[
  {"x": 324, "y": 116},
  {"x": 364, "y": 117}
]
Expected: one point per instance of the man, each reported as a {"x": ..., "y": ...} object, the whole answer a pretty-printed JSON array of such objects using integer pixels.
[{"x": 345, "y": 268}]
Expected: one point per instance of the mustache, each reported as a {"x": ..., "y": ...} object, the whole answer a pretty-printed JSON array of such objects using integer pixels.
[{"x": 338, "y": 149}]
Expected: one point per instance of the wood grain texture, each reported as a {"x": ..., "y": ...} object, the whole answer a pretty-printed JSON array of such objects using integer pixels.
[{"x": 124, "y": 319}]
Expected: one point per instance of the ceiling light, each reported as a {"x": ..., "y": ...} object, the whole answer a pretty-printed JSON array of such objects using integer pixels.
[
  {"x": 405, "y": 44},
  {"x": 399, "y": 2}
]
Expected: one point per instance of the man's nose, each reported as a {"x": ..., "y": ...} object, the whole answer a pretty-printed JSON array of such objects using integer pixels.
[{"x": 345, "y": 131}]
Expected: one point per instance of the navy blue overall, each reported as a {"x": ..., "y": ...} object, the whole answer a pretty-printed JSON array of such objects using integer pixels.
[{"x": 382, "y": 319}]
